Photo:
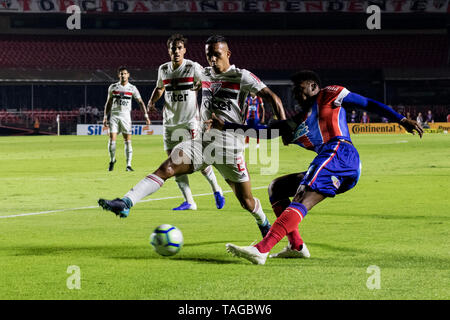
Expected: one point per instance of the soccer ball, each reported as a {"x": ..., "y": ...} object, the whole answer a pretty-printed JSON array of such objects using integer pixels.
[{"x": 167, "y": 240}]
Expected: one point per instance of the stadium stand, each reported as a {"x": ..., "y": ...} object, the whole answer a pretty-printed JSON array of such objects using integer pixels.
[{"x": 260, "y": 52}]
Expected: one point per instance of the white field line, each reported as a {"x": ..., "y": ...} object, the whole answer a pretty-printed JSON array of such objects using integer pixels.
[{"x": 93, "y": 207}]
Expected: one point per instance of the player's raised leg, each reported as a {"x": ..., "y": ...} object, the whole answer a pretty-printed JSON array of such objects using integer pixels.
[
  {"x": 149, "y": 185},
  {"x": 209, "y": 175}
]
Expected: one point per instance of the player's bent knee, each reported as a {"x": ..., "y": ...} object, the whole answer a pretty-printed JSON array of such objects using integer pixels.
[
  {"x": 166, "y": 170},
  {"x": 275, "y": 190}
]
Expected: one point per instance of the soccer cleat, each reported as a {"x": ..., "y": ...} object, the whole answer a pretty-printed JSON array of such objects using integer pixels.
[
  {"x": 186, "y": 206},
  {"x": 250, "y": 253},
  {"x": 288, "y": 252},
  {"x": 265, "y": 227},
  {"x": 220, "y": 199},
  {"x": 118, "y": 206},
  {"x": 129, "y": 168},
  {"x": 111, "y": 165}
]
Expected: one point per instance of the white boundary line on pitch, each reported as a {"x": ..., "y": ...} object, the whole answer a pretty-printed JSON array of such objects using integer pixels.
[{"x": 93, "y": 207}]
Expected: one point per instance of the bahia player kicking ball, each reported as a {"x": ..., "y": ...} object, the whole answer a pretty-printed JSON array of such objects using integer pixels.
[{"x": 321, "y": 126}]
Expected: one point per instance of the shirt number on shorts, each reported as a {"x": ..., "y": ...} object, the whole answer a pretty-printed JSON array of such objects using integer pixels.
[{"x": 241, "y": 164}]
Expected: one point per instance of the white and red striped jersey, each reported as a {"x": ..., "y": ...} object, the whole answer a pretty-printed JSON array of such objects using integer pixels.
[
  {"x": 121, "y": 97},
  {"x": 180, "y": 105},
  {"x": 225, "y": 93}
]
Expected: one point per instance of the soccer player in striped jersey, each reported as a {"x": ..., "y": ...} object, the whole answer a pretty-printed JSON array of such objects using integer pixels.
[
  {"x": 321, "y": 127},
  {"x": 118, "y": 111},
  {"x": 255, "y": 113},
  {"x": 176, "y": 80},
  {"x": 224, "y": 89}
]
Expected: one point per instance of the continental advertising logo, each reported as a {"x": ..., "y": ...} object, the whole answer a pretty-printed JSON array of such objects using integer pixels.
[
  {"x": 440, "y": 126},
  {"x": 376, "y": 128}
]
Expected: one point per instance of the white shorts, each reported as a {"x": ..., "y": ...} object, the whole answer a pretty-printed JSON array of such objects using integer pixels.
[
  {"x": 228, "y": 159},
  {"x": 120, "y": 124},
  {"x": 172, "y": 136}
]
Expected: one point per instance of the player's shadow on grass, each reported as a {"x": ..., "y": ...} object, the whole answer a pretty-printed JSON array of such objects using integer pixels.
[{"x": 118, "y": 252}]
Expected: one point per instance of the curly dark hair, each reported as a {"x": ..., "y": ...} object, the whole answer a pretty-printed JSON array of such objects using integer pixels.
[{"x": 306, "y": 75}]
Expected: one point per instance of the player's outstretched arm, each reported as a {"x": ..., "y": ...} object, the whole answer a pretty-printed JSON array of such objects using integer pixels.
[
  {"x": 274, "y": 100},
  {"x": 273, "y": 130},
  {"x": 358, "y": 101}
]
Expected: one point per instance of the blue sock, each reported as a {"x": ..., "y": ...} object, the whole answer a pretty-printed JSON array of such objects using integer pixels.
[{"x": 127, "y": 202}]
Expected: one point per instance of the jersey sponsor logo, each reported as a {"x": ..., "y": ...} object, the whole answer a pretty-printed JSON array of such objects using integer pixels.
[
  {"x": 336, "y": 182},
  {"x": 301, "y": 131},
  {"x": 218, "y": 98},
  {"x": 178, "y": 97}
]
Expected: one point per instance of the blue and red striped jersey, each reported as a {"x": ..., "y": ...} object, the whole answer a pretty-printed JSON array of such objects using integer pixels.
[
  {"x": 253, "y": 107},
  {"x": 326, "y": 120}
]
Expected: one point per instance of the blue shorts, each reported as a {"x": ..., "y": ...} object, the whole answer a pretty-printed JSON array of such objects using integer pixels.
[
  {"x": 252, "y": 121},
  {"x": 334, "y": 170}
]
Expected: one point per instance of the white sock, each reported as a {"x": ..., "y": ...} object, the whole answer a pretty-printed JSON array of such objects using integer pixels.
[
  {"x": 147, "y": 186},
  {"x": 183, "y": 184},
  {"x": 258, "y": 213},
  {"x": 112, "y": 150},
  {"x": 208, "y": 173},
  {"x": 128, "y": 152}
]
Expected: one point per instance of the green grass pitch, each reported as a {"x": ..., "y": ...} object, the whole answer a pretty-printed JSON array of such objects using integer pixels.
[{"x": 396, "y": 218}]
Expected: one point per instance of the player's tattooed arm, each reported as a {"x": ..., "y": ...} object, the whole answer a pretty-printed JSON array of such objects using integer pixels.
[
  {"x": 156, "y": 95},
  {"x": 274, "y": 101}
]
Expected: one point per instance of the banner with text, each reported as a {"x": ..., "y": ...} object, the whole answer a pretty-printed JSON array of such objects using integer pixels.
[
  {"x": 379, "y": 128},
  {"x": 137, "y": 129},
  {"x": 222, "y": 6}
]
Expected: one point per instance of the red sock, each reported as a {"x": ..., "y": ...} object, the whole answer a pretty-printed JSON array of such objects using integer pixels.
[
  {"x": 286, "y": 223},
  {"x": 247, "y": 140},
  {"x": 294, "y": 237},
  {"x": 279, "y": 206}
]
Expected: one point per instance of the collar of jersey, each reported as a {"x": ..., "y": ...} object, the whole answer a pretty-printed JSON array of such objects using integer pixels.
[{"x": 180, "y": 67}]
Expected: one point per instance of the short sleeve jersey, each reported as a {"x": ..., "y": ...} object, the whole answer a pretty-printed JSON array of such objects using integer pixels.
[
  {"x": 325, "y": 121},
  {"x": 224, "y": 94},
  {"x": 121, "y": 97},
  {"x": 180, "y": 105}
]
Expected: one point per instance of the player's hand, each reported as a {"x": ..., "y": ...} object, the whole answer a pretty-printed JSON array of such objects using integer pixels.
[
  {"x": 197, "y": 86},
  {"x": 151, "y": 107},
  {"x": 147, "y": 121},
  {"x": 214, "y": 123},
  {"x": 105, "y": 122},
  {"x": 411, "y": 126}
]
